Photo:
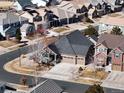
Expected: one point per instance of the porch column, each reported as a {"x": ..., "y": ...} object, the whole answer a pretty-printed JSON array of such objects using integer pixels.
[
  {"x": 76, "y": 60},
  {"x": 48, "y": 54},
  {"x": 55, "y": 58}
]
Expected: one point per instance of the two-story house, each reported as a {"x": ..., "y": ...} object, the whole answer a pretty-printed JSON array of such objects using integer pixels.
[
  {"x": 9, "y": 22},
  {"x": 117, "y": 56},
  {"x": 109, "y": 50},
  {"x": 22, "y": 4}
]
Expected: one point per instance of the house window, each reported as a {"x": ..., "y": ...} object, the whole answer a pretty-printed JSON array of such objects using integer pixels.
[
  {"x": 5, "y": 26},
  {"x": 117, "y": 55},
  {"x": 102, "y": 50}
]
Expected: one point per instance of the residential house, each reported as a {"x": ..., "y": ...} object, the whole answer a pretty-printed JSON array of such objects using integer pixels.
[
  {"x": 28, "y": 16},
  {"x": 109, "y": 50},
  {"x": 40, "y": 3},
  {"x": 55, "y": 2},
  {"x": 6, "y": 88},
  {"x": 106, "y": 23},
  {"x": 63, "y": 14},
  {"x": 32, "y": 15},
  {"x": 73, "y": 48},
  {"x": 104, "y": 7},
  {"x": 68, "y": 6},
  {"x": 114, "y": 7},
  {"x": 22, "y": 4},
  {"x": 117, "y": 56},
  {"x": 119, "y": 2},
  {"x": 47, "y": 86},
  {"x": 9, "y": 22},
  {"x": 57, "y": 16},
  {"x": 27, "y": 29},
  {"x": 43, "y": 3},
  {"x": 95, "y": 14}
]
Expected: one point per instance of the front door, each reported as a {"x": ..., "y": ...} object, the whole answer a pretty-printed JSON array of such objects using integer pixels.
[{"x": 108, "y": 60}]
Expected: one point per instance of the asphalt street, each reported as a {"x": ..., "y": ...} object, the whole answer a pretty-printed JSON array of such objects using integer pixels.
[
  {"x": 15, "y": 78},
  {"x": 4, "y": 58}
]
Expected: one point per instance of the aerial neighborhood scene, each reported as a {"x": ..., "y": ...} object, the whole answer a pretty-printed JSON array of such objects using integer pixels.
[{"x": 61, "y": 46}]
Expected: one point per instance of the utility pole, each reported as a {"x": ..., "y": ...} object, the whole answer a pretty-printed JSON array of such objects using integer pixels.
[{"x": 20, "y": 56}]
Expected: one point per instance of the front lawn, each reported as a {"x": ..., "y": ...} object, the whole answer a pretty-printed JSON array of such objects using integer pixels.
[{"x": 94, "y": 74}]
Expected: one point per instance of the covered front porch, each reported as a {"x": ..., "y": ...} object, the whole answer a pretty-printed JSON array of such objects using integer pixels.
[{"x": 46, "y": 56}]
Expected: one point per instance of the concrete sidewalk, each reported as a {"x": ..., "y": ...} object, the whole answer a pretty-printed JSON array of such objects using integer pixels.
[
  {"x": 114, "y": 80},
  {"x": 11, "y": 48},
  {"x": 14, "y": 67}
]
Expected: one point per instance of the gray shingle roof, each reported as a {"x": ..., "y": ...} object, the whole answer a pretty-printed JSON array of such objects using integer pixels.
[
  {"x": 10, "y": 18},
  {"x": 61, "y": 13},
  {"x": 112, "y": 3},
  {"x": 64, "y": 46},
  {"x": 11, "y": 31},
  {"x": 72, "y": 44},
  {"x": 48, "y": 86},
  {"x": 24, "y": 3},
  {"x": 77, "y": 38}
]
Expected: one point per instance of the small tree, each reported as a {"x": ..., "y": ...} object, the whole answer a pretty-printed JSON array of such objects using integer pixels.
[
  {"x": 23, "y": 80},
  {"x": 18, "y": 35},
  {"x": 116, "y": 31},
  {"x": 95, "y": 89},
  {"x": 91, "y": 31}
]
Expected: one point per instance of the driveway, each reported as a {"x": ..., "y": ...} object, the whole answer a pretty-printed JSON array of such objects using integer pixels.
[{"x": 63, "y": 71}]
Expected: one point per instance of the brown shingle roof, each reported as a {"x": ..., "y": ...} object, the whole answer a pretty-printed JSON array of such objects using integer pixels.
[
  {"x": 121, "y": 47},
  {"x": 111, "y": 41}
]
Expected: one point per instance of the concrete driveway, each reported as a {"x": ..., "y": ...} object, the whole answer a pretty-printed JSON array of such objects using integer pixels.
[{"x": 63, "y": 71}]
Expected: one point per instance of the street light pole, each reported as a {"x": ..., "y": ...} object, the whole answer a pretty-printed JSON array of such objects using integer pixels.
[{"x": 20, "y": 57}]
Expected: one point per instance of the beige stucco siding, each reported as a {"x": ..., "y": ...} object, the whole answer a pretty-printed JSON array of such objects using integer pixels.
[{"x": 72, "y": 59}]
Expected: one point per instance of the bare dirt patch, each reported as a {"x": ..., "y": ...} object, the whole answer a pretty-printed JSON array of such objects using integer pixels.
[
  {"x": 61, "y": 29},
  {"x": 91, "y": 77},
  {"x": 101, "y": 75},
  {"x": 114, "y": 15},
  {"x": 5, "y": 4},
  {"x": 7, "y": 43},
  {"x": 14, "y": 67}
]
